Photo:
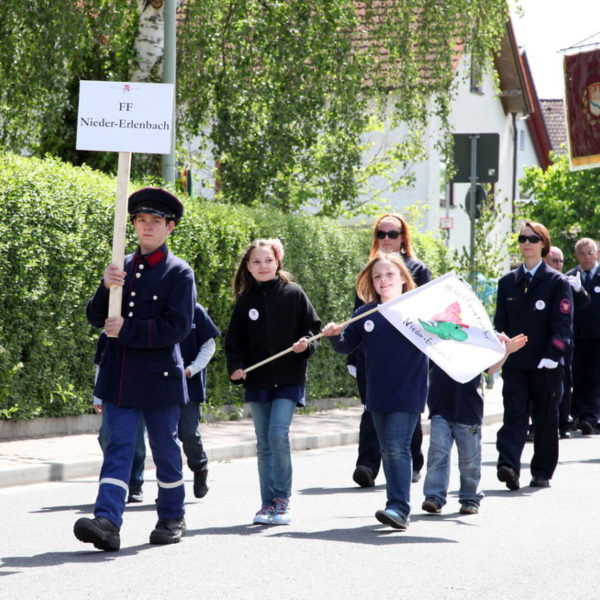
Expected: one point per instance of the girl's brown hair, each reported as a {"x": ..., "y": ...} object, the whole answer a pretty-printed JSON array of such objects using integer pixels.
[
  {"x": 364, "y": 282},
  {"x": 405, "y": 248},
  {"x": 540, "y": 230},
  {"x": 243, "y": 280}
]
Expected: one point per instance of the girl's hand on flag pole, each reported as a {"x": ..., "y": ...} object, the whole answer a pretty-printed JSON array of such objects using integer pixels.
[
  {"x": 238, "y": 374},
  {"x": 300, "y": 346},
  {"x": 332, "y": 329}
]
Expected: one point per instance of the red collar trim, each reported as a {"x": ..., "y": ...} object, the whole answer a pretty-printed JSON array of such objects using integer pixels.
[{"x": 153, "y": 258}]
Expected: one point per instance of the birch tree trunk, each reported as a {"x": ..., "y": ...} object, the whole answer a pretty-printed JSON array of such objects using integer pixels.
[{"x": 149, "y": 41}]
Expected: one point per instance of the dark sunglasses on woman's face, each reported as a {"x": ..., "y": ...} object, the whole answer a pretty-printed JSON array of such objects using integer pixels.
[
  {"x": 534, "y": 239},
  {"x": 393, "y": 235}
]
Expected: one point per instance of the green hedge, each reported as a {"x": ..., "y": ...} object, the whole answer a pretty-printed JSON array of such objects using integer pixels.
[{"x": 55, "y": 240}]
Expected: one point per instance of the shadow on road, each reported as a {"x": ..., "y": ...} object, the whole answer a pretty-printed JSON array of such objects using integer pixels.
[{"x": 375, "y": 535}]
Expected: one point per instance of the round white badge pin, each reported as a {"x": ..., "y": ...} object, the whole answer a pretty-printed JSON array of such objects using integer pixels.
[
  {"x": 253, "y": 314},
  {"x": 369, "y": 325},
  {"x": 540, "y": 305}
]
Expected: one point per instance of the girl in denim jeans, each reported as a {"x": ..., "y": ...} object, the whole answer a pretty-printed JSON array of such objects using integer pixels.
[
  {"x": 271, "y": 314},
  {"x": 396, "y": 375}
]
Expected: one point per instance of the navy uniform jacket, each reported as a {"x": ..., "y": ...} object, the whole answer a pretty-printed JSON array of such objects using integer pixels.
[
  {"x": 455, "y": 402},
  {"x": 203, "y": 329},
  {"x": 396, "y": 372},
  {"x": 143, "y": 366},
  {"x": 586, "y": 320},
  {"x": 544, "y": 314}
]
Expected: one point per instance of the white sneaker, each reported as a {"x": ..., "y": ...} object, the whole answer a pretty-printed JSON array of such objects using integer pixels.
[
  {"x": 264, "y": 516},
  {"x": 282, "y": 514}
]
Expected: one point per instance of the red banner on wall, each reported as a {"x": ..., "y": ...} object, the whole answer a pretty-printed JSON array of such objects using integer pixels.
[{"x": 582, "y": 96}]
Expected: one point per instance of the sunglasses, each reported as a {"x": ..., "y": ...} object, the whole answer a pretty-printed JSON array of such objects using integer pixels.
[
  {"x": 534, "y": 239},
  {"x": 393, "y": 235}
]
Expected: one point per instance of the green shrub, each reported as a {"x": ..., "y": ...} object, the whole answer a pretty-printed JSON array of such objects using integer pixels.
[{"x": 55, "y": 240}]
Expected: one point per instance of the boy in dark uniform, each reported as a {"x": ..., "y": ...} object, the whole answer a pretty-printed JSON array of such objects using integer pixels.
[
  {"x": 197, "y": 349},
  {"x": 141, "y": 370}
]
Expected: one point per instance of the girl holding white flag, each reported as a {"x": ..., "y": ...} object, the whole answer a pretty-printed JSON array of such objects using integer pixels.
[{"x": 396, "y": 376}]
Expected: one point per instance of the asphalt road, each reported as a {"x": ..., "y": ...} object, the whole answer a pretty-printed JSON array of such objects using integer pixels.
[{"x": 534, "y": 544}]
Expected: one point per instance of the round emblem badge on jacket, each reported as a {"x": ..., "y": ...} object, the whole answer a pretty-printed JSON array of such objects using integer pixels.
[
  {"x": 369, "y": 325},
  {"x": 540, "y": 305},
  {"x": 253, "y": 314}
]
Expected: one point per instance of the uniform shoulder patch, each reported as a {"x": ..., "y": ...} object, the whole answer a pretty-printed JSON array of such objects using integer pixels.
[{"x": 565, "y": 306}]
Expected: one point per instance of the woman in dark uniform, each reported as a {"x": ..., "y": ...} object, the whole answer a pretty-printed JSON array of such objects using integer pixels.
[{"x": 535, "y": 300}]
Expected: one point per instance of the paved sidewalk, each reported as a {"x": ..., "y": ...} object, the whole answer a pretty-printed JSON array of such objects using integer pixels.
[{"x": 67, "y": 457}]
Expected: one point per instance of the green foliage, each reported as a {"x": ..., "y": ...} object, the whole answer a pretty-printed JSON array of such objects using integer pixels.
[
  {"x": 489, "y": 251},
  {"x": 55, "y": 243},
  {"x": 566, "y": 202},
  {"x": 280, "y": 94},
  {"x": 53, "y": 246}
]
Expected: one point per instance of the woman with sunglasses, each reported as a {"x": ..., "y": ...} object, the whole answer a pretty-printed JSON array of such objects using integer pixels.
[
  {"x": 390, "y": 235},
  {"x": 535, "y": 300}
]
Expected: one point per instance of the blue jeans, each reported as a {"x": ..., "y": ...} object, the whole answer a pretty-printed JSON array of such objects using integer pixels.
[
  {"x": 468, "y": 443},
  {"x": 272, "y": 426},
  {"x": 395, "y": 431},
  {"x": 189, "y": 435},
  {"x": 136, "y": 481}
]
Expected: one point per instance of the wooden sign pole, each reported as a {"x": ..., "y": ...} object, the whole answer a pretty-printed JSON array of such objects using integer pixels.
[{"x": 119, "y": 231}]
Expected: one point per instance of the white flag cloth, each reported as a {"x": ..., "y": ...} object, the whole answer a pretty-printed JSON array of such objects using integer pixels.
[{"x": 446, "y": 320}]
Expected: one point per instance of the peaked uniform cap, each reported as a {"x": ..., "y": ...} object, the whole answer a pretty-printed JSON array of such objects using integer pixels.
[{"x": 155, "y": 201}]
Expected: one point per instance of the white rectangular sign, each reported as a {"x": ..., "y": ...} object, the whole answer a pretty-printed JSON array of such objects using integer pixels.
[{"x": 118, "y": 116}]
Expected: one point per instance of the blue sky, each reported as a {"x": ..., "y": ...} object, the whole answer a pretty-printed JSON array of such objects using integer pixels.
[{"x": 548, "y": 26}]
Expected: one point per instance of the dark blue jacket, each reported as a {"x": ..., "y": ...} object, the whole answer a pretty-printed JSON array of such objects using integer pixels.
[
  {"x": 544, "y": 314},
  {"x": 143, "y": 366},
  {"x": 586, "y": 320},
  {"x": 396, "y": 372},
  {"x": 455, "y": 402},
  {"x": 203, "y": 329}
]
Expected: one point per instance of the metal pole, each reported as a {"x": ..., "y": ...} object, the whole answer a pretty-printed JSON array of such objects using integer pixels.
[
  {"x": 168, "y": 161},
  {"x": 473, "y": 196}
]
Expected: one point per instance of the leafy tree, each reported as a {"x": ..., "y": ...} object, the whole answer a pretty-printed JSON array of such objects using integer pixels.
[
  {"x": 566, "y": 202},
  {"x": 279, "y": 92}
]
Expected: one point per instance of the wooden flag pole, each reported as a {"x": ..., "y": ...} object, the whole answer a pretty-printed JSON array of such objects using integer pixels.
[
  {"x": 119, "y": 231},
  {"x": 311, "y": 339}
]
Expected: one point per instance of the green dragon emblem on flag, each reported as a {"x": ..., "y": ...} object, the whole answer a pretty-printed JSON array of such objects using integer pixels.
[{"x": 447, "y": 325}]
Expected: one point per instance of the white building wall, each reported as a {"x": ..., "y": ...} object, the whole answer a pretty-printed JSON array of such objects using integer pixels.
[{"x": 472, "y": 112}]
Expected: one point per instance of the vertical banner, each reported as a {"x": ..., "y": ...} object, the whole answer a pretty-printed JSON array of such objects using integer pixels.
[{"x": 582, "y": 103}]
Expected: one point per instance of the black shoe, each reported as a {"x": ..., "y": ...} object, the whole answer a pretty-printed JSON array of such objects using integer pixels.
[
  {"x": 539, "y": 482},
  {"x": 469, "y": 508},
  {"x": 135, "y": 496},
  {"x": 99, "y": 531},
  {"x": 168, "y": 531},
  {"x": 200, "y": 487},
  {"x": 509, "y": 476},
  {"x": 432, "y": 505},
  {"x": 363, "y": 475},
  {"x": 564, "y": 434},
  {"x": 586, "y": 428}
]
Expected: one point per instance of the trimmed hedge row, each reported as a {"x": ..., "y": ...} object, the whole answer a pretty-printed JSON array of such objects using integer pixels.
[{"x": 55, "y": 240}]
